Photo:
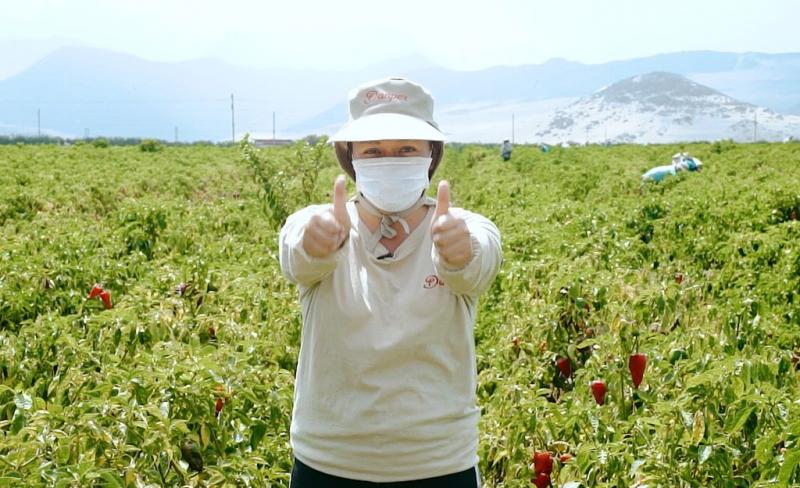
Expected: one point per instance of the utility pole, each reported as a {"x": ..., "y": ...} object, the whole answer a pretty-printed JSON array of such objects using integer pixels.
[
  {"x": 39, "y": 122},
  {"x": 233, "y": 124},
  {"x": 587, "y": 135},
  {"x": 755, "y": 126},
  {"x": 176, "y": 133},
  {"x": 273, "y": 125}
]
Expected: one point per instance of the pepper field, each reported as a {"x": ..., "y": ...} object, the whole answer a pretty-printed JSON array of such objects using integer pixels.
[{"x": 194, "y": 362}]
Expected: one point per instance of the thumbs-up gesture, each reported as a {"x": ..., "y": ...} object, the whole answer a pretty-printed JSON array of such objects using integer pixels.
[
  {"x": 449, "y": 233},
  {"x": 326, "y": 232}
]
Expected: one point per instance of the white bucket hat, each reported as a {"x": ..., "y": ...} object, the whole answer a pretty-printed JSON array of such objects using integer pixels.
[{"x": 391, "y": 108}]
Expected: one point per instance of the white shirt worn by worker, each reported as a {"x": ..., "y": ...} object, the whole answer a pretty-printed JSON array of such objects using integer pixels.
[{"x": 386, "y": 377}]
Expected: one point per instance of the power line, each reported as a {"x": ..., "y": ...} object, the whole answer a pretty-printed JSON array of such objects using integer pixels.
[
  {"x": 119, "y": 101},
  {"x": 83, "y": 114},
  {"x": 248, "y": 101}
]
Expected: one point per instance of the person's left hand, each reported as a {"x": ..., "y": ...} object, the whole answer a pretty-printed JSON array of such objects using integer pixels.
[{"x": 449, "y": 233}]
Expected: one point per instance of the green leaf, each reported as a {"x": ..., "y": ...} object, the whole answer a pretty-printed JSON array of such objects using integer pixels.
[
  {"x": 259, "y": 428},
  {"x": 765, "y": 446},
  {"x": 790, "y": 462},
  {"x": 698, "y": 427},
  {"x": 205, "y": 435},
  {"x": 713, "y": 376},
  {"x": 18, "y": 422},
  {"x": 39, "y": 404},
  {"x": 10, "y": 482},
  {"x": 61, "y": 454},
  {"x": 741, "y": 419},
  {"x": 794, "y": 428},
  {"x": 704, "y": 454},
  {"x": 112, "y": 479},
  {"x": 130, "y": 477},
  {"x": 635, "y": 467},
  {"x": 23, "y": 401}
]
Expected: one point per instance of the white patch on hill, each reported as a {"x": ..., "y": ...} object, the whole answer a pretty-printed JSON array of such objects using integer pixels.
[
  {"x": 488, "y": 122},
  {"x": 663, "y": 107}
]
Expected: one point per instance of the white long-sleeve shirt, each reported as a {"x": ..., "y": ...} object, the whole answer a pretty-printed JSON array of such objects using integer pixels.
[{"x": 386, "y": 378}]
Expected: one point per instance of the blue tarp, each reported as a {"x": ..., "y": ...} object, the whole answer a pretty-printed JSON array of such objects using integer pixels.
[{"x": 659, "y": 173}]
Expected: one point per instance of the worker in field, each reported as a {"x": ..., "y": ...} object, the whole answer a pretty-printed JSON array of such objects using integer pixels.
[
  {"x": 680, "y": 162},
  {"x": 389, "y": 281},
  {"x": 505, "y": 150}
]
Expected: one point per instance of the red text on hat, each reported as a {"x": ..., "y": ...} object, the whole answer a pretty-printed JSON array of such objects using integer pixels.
[{"x": 381, "y": 96}]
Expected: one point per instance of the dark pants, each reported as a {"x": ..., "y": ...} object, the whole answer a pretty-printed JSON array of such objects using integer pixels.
[{"x": 304, "y": 476}]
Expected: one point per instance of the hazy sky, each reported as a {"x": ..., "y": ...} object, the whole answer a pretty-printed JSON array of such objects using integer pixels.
[{"x": 348, "y": 34}]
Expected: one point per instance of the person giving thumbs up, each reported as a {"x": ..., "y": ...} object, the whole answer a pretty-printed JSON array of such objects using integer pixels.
[{"x": 388, "y": 283}]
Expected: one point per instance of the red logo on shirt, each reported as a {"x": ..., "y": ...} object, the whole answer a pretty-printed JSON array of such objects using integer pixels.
[{"x": 431, "y": 281}]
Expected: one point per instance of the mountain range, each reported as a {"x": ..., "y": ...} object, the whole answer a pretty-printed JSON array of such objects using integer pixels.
[
  {"x": 84, "y": 91},
  {"x": 663, "y": 107}
]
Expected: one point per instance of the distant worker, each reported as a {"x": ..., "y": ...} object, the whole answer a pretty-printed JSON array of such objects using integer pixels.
[
  {"x": 680, "y": 162},
  {"x": 506, "y": 150}
]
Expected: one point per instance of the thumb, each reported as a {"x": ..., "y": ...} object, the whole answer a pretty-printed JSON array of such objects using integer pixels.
[
  {"x": 340, "y": 201},
  {"x": 442, "y": 199}
]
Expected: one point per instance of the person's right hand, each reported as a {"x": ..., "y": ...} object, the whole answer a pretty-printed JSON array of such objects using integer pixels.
[{"x": 325, "y": 232}]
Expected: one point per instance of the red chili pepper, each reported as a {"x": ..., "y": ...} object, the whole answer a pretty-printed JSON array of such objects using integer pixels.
[
  {"x": 218, "y": 407},
  {"x": 636, "y": 364},
  {"x": 96, "y": 291},
  {"x": 565, "y": 366},
  {"x": 542, "y": 462},
  {"x": 599, "y": 391},
  {"x": 105, "y": 295},
  {"x": 541, "y": 480}
]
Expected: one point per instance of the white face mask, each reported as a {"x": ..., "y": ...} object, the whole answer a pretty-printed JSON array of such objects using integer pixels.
[{"x": 392, "y": 184}]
